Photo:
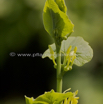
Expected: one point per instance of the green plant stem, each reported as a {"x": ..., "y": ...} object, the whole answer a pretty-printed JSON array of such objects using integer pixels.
[{"x": 59, "y": 78}]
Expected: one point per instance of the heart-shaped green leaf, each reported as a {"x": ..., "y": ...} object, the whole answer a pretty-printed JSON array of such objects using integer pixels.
[{"x": 84, "y": 52}]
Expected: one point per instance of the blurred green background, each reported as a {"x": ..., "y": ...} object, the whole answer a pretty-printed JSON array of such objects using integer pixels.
[{"x": 22, "y": 31}]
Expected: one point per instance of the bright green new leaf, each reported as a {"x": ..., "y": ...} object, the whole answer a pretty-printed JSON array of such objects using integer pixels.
[
  {"x": 49, "y": 98},
  {"x": 29, "y": 100},
  {"x": 32, "y": 101},
  {"x": 53, "y": 97},
  {"x": 56, "y": 22},
  {"x": 61, "y": 5},
  {"x": 84, "y": 52}
]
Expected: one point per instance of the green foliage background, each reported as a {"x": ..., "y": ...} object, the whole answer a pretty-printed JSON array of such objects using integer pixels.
[{"x": 21, "y": 25}]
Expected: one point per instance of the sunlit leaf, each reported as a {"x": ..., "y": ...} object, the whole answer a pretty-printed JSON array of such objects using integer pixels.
[
  {"x": 29, "y": 100},
  {"x": 55, "y": 21},
  {"x": 61, "y": 5},
  {"x": 84, "y": 52},
  {"x": 49, "y": 98},
  {"x": 53, "y": 97}
]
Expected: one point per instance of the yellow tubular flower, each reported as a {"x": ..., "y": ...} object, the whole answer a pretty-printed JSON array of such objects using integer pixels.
[
  {"x": 52, "y": 54},
  {"x": 65, "y": 101},
  {"x": 74, "y": 100},
  {"x": 70, "y": 57},
  {"x": 67, "y": 90},
  {"x": 75, "y": 49},
  {"x": 68, "y": 51},
  {"x": 68, "y": 101},
  {"x": 74, "y": 55},
  {"x": 69, "y": 60}
]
